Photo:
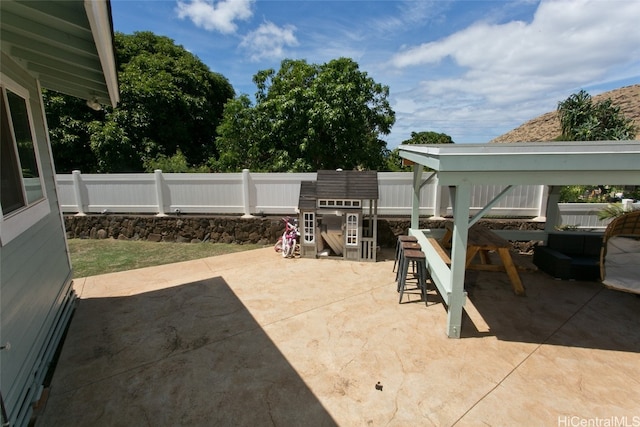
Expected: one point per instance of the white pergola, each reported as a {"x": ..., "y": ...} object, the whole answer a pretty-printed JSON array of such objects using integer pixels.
[{"x": 461, "y": 166}]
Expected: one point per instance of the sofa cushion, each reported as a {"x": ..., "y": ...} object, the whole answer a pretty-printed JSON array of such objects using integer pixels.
[
  {"x": 570, "y": 256},
  {"x": 567, "y": 243},
  {"x": 592, "y": 246}
]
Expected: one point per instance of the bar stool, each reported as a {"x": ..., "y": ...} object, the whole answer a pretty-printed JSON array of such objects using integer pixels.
[
  {"x": 402, "y": 239},
  {"x": 420, "y": 261},
  {"x": 403, "y": 247}
]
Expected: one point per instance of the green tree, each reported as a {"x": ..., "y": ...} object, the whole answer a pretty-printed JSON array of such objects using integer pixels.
[
  {"x": 169, "y": 101},
  {"x": 69, "y": 122},
  {"x": 583, "y": 120},
  {"x": 238, "y": 143},
  {"x": 307, "y": 117},
  {"x": 428, "y": 137},
  {"x": 394, "y": 161},
  {"x": 173, "y": 164}
]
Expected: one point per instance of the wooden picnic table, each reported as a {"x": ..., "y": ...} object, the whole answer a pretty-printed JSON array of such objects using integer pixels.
[{"x": 481, "y": 241}]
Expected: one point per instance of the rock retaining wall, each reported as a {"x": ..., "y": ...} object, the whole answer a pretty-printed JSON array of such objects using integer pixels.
[{"x": 230, "y": 229}]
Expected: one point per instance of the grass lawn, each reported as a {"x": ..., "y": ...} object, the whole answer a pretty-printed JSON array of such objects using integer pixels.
[{"x": 90, "y": 257}]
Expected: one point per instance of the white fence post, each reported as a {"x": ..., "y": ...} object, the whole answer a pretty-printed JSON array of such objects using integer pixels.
[
  {"x": 77, "y": 191},
  {"x": 159, "y": 191},
  {"x": 246, "y": 200}
]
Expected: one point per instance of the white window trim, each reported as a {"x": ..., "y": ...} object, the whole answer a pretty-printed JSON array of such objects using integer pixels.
[
  {"x": 356, "y": 229},
  {"x": 309, "y": 230},
  {"x": 19, "y": 221}
]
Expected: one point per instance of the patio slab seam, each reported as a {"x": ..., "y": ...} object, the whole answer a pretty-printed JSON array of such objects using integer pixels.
[
  {"x": 530, "y": 354},
  {"x": 327, "y": 304}
]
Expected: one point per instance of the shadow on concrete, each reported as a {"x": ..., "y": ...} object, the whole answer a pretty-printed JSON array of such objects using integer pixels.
[
  {"x": 185, "y": 355},
  {"x": 555, "y": 312}
]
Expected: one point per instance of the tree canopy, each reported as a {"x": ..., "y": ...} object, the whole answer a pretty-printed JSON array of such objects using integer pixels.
[
  {"x": 581, "y": 119},
  {"x": 170, "y": 102},
  {"x": 394, "y": 161},
  {"x": 307, "y": 117},
  {"x": 428, "y": 137},
  {"x": 70, "y": 122}
]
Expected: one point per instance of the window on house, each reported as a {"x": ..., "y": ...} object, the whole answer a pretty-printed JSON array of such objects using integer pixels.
[
  {"x": 21, "y": 186},
  {"x": 352, "y": 229},
  {"x": 309, "y": 227}
]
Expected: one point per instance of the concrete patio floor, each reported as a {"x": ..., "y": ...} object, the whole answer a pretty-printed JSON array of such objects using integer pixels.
[{"x": 252, "y": 339}]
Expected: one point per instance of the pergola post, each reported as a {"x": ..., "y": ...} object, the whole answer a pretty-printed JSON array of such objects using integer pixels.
[
  {"x": 553, "y": 213},
  {"x": 415, "y": 203},
  {"x": 461, "y": 197}
]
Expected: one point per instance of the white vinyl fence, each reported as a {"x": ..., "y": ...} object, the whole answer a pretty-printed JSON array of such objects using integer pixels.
[{"x": 249, "y": 193}]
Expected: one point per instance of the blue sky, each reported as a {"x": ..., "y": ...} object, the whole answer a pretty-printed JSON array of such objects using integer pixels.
[{"x": 472, "y": 69}]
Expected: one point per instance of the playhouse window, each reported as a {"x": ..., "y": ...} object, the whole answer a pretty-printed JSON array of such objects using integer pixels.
[
  {"x": 323, "y": 203},
  {"x": 22, "y": 190},
  {"x": 352, "y": 229},
  {"x": 309, "y": 227}
]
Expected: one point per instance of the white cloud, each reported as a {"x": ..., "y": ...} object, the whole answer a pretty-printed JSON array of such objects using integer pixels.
[
  {"x": 508, "y": 73},
  {"x": 335, "y": 42},
  {"x": 268, "y": 41},
  {"x": 411, "y": 13},
  {"x": 566, "y": 41},
  {"x": 216, "y": 16}
]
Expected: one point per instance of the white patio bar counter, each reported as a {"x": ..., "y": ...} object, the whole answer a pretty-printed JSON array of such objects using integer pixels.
[{"x": 460, "y": 166}]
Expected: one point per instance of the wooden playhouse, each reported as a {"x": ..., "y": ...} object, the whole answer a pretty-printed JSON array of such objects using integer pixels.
[{"x": 339, "y": 215}]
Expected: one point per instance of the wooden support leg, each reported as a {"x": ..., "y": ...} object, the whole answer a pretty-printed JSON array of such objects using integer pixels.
[
  {"x": 471, "y": 253},
  {"x": 484, "y": 257},
  {"x": 510, "y": 268}
]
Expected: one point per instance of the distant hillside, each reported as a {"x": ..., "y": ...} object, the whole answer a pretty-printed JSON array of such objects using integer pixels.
[{"x": 547, "y": 126}]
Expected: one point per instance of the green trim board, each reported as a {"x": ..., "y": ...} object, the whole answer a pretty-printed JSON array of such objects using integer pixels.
[{"x": 460, "y": 166}]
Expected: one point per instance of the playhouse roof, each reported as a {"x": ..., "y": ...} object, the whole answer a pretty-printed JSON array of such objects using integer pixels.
[
  {"x": 347, "y": 184},
  {"x": 339, "y": 184},
  {"x": 308, "y": 197}
]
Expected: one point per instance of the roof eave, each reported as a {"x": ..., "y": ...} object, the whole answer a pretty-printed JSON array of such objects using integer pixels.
[
  {"x": 66, "y": 44},
  {"x": 99, "y": 15}
]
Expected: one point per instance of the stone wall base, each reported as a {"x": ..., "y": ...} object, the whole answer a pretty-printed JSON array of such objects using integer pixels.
[{"x": 234, "y": 229}]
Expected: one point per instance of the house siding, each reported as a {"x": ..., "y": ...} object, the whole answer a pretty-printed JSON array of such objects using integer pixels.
[{"x": 35, "y": 287}]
